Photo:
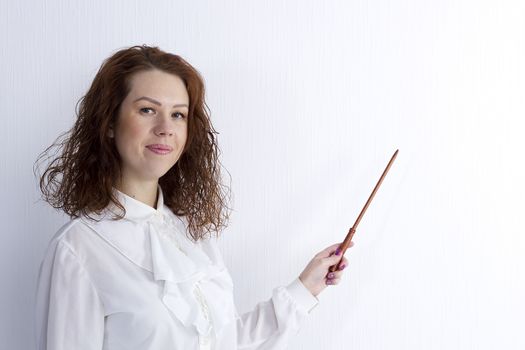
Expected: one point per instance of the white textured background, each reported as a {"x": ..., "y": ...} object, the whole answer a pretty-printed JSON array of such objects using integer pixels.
[{"x": 311, "y": 99}]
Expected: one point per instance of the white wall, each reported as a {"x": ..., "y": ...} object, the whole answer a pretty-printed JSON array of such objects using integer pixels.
[{"x": 311, "y": 99}]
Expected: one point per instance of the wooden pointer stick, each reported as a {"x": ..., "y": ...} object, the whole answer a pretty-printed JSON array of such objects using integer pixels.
[{"x": 342, "y": 248}]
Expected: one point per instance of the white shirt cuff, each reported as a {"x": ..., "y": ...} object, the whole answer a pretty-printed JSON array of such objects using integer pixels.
[{"x": 302, "y": 295}]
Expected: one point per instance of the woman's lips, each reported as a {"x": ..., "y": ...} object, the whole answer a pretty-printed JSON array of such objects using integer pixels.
[{"x": 160, "y": 149}]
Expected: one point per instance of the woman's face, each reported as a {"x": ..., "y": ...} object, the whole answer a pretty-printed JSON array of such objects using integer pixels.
[{"x": 151, "y": 128}]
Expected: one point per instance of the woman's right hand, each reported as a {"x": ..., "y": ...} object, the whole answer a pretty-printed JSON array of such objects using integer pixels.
[{"x": 316, "y": 276}]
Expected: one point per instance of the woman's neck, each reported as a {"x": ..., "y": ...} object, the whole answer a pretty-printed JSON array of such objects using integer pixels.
[{"x": 145, "y": 192}]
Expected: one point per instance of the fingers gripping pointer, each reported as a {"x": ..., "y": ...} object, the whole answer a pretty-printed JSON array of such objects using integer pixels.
[{"x": 316, "y": 275}]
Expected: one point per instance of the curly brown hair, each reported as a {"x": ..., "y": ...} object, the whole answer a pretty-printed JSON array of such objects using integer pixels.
[{"x": 80, "y": 179}]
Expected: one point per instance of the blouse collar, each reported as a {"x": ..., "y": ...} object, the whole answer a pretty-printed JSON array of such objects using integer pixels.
[{"x": 143, "y": 225}]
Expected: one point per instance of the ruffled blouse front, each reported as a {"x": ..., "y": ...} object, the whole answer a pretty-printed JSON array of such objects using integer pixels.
[{"x": 141, "y": 283}]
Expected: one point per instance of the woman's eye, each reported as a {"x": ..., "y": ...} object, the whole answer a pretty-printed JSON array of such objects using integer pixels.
[{"x": 145, "y": 109}]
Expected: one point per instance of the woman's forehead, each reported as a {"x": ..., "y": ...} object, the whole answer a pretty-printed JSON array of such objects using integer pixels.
[{"x": 158, "y": 86}]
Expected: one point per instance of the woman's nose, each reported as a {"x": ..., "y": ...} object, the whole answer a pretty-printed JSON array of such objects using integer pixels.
[{"x": 164, "y": 126}]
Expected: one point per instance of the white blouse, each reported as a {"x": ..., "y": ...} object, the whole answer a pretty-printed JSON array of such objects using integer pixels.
[{"x": 140, "y": 283}]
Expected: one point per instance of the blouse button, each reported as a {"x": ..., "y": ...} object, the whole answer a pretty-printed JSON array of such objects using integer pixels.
[
  {"x": 159, "y": 217},
  {"x": 204, "y": 342}
]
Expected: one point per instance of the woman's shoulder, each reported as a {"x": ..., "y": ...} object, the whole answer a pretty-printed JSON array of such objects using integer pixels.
[
  {"x": 74, "y": 235},
  {"x": 69, "y": 231}
]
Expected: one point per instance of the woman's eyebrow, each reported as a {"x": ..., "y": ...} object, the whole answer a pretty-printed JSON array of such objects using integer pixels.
[{"x": 157, "y": 102}]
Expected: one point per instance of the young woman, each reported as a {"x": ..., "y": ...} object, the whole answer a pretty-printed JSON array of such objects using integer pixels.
[{"x": 136, "y": 267}]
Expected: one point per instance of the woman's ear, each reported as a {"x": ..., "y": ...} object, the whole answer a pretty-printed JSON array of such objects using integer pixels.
[{"x": 111, "y": 133}]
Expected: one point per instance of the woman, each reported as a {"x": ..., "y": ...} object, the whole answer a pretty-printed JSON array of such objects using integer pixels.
[{"x": 136, "y": 267}]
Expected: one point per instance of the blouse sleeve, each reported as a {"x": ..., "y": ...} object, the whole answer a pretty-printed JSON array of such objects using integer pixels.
[
  {"x": 69, "y": 313},
  {"x": 271, "y": 324}
]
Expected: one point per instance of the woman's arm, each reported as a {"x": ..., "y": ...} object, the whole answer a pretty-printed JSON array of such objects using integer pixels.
[
  {"x": 271, "y": 324},
  {"x": 69, "y": 312}
]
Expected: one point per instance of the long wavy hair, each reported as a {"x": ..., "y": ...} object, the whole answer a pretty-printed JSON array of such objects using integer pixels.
[{"x": 86, "y": 165}]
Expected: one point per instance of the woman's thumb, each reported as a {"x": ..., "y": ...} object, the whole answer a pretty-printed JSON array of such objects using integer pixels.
[{"x": 333, "y": 258}]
